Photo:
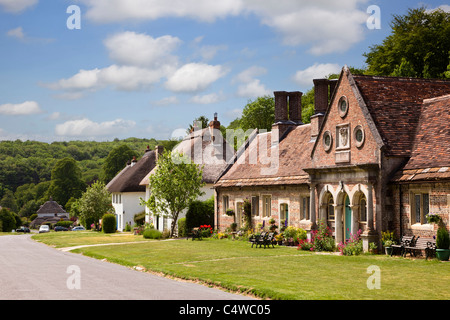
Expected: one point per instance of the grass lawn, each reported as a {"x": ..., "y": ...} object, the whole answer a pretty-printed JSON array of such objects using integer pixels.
[{"x": 274, "y": 273}]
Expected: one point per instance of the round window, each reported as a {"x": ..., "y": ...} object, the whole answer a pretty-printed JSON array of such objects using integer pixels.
[
  {"x": 327, "y": 140},
  {"x": 359, "y": 135},
  {"x": 343, "y": 106}
]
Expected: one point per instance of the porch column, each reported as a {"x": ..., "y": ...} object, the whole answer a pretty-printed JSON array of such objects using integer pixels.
[
  {"x": 339, "y": 228},
  {"x": 369, "y": 234},
  {"x": 312, "y": 206},
  {"x": 370, "y": 226},
  {"x": 355, "y": 218}
]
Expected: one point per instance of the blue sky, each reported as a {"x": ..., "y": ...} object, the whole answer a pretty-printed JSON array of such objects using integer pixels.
[{"x": 147, "y": 68}]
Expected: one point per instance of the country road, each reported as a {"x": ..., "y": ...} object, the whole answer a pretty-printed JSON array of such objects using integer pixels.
[{"x": 33, "y": 271}]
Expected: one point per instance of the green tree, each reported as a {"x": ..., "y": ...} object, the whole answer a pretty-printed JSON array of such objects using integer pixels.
[
  {"x": 418, "y": 45},
  {"x": 175, "y": 184},
  {"x": 94, "y": 203},
  {"x": 202, "y": 119},
  {"x": 8, "y": 220},
  {"x": 258, "y": 114},
  {"x": 116, "y": 161},
  {"x": 66, "y": 181}
]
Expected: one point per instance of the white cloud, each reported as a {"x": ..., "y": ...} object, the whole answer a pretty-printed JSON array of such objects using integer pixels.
[
  {"x": 194, "y": 77},
  {"x": 137, "y": 49},
  {"x": 88, "y": 128},
  {"x": 167, "y": 101},
  {"x": 105, "y": 11},
  {"x": 206, "y": 99},
  {"x": 249, "y": 86},
  {"x": 305, "y": 77},
  {"x": 444, "y": 7},
  {"x": 120, "y": 77},
  {"x": 17, "y": 6},
  {"x": 16, "y": 33},
  {"x": 327, "y": 26},
  {"x": 26, "y": 108}
]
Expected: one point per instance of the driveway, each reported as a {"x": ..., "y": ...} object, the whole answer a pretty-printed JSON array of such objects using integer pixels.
[{"x": 33, "y": 271}]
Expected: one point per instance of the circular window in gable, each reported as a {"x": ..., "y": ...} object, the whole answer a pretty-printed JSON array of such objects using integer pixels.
[
  {"x": 327, "y": 140},
  {"x": 343, "y": 106},
  {"x": 358, "y": 133}
]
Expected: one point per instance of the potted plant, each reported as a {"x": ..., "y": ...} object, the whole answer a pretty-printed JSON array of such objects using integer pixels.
[
  {"x": 433, "y": 218},
  {"x": 279, "y": 239},
  {"x": 442, "y": 244},
  {"x": 233, "y": 226},
  {"x": 387, "y": 238},
  {"x": 229, "y": 212}
]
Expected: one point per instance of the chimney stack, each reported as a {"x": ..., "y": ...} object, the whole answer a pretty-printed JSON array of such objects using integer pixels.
[
  {"x": 158, "y": 151},
  {"x": 281, "y": 106},
  {"x": 295, "y": 106},
  {"x": 320, "y": 95}
]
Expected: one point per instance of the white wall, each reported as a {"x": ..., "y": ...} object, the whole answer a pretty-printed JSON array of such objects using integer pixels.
[{"x": 129, "y": 206}]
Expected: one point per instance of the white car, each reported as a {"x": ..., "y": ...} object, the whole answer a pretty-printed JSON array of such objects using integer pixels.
[{"x": 44, "y": 228}]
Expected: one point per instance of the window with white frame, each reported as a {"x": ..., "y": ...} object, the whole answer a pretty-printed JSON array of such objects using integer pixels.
[
  {"x": 255, "y": 206},
  {"x": 420, "y": 207},
  {"x": 267, "y": 206},
  {"x": 305, "y": 207},
  {"x": 225, "y": 203}
]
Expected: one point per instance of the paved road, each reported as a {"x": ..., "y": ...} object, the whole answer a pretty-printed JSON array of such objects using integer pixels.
[{"x": 33, "y": 271}]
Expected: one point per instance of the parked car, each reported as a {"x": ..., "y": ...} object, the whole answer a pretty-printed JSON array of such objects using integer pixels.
[
  {"x": 44, "y": 228},
  {"x": 60, "y": 228},
  {"x": 23, "y": 229},
  {"x": 79, "y": 228}
]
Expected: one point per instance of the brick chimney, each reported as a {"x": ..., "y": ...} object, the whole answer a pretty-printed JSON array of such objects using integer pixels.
[
  {"x": 215, "y": 124},
  {"x": 158, "y": 151},
  {"x": 295, "y": 106},
  {"x": 320, "y": 95},
  {"x": 288, "y": 110}
]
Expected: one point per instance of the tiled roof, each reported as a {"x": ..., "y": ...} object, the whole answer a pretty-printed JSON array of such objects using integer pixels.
[
  {"x": 395, "y": 105},
  {"x": 129, "y": 178},
  {"x": 431, "y": 146},
  {"x": 294, "y": 154}
]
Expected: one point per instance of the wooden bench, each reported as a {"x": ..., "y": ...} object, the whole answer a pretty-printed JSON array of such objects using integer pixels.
[
  {"x": 404, "y": 242},
  {"x": 269, "y": 240},
  {"x": 421, "y": 244},
  {"x": 256, "y": 239}
]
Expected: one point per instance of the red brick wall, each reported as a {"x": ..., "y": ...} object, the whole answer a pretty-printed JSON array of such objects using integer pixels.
[{"x": 367, "y": 153}]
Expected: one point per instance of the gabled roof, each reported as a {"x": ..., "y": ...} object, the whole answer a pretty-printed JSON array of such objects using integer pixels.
[
  {"x": 51, "y": 207},
  {"x": 395, "y": 105},
  {"x": 129, "y": 178},
  {"x": 293, "y": 155},
  {"x": 199, "y": 147}
]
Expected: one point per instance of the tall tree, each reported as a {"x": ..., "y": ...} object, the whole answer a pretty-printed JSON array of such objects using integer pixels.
[
  {"x": 202, "y": 119},
  {"x": 66, "y": 181},
  {"x": 175, "y": 184},
  {"x": 116, "y": 161},
  {"x": 419, "y": 45}
]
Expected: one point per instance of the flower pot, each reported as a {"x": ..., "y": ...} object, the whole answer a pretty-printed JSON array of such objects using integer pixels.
[
  {"x": 388, "y": 250},
  {"x": 443, "y": 254}
]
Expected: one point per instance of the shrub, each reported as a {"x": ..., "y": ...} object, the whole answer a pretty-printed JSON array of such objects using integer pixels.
[
  {"x": 152, "y": 234},
  {"x": 109, "y": 223},
  {"x": 442, "y": 238},
  {"x": 139, "y": 218},
  {"x": 8, "y": 220},
  {"x": 353, "y": 246},
  {"x": 322, "y": 238},
  {"x": 200, "y": 212},
  {"x": 65, "y": 224},
  {"x": 306, "y": 244},
  {"x": 205, "y": 231}
]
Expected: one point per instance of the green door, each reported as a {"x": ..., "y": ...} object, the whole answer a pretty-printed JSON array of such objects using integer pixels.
[{"x": 348, "y": 218}]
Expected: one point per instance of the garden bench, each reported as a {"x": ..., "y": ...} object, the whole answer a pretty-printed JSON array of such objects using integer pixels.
[
  {"x": 404, "y": 242},
  {"x": 269, "y": 240},
  {"x": 195, "y": 234},
  {"x": 256, "y": 239},
  {"x": 426, "y": 244}
]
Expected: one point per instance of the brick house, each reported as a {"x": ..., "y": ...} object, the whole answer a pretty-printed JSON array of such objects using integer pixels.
[{"x": 375, "y": 157}]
